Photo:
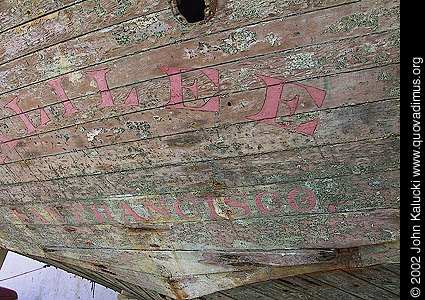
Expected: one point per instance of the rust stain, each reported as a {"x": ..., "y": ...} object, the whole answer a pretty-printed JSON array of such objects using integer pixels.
[
  {"x": 70, "y": 229},
  {"x": 348, "y": 257},
  {"x": 101, "y": 267},
  {"x": 48, "y": 250},
  {"x": 104, "y": 167},
  {"x": 175, "y": 288}
]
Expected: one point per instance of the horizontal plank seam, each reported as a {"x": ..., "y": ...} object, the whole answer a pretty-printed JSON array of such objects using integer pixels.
[
  {"x": 200, "y": 36},
  {"x": 300, "y": 215},
  {"x": 95, "y": 200},
  {"x": 41, "y": 16},
  {"x": 76, "y": 36},
  {"x": 234, "y": 250},
  {"x": 391, "y": 99},
  {"x": 336, "y": 287},
  {"x": 388, "y": 137},
  {"x": 206, "y": 97},
  {"x": 383, "y": 266},
  {"x": 370, "y": 282}
]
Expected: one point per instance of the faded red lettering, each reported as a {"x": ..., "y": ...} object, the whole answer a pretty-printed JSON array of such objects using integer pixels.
[
  {"x": 291, "y": 200},
  {"x": 76, "y": 213},
  {"x": 126, "y": 208},
  {"x": 37, "y": 217},
  {"x": 150, "y": 206},
  {"x": 13, "y": 105},
  {"x": 273, "y": 99},
  {"x": 213, "y": 213},
  {"x": 105, "y": 94},
  {"x": 180, "y": 213},
  {"x": 238, "y": 204},
  {"x": 259, "y": 202},
  {"x": 56, "y": 84},
  {"x": 103, "y": 210},
  {"x": 20, "y": 214},
  {"x": 176, "y": 89},
  {"x": 54, "y": 214}
]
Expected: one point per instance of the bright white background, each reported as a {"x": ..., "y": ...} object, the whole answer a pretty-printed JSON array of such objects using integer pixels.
[{"x": 48, "y": 283}]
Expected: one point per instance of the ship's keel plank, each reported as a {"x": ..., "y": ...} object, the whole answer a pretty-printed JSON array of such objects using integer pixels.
[
  {"x": 232, "y": 279},
  {"x": 326, "y": 161}
]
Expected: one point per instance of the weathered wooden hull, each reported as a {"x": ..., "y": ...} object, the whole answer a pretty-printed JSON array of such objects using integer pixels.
[{"x": 141, "y": 151}]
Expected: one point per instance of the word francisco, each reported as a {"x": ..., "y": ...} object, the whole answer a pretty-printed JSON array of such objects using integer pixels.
[
  {"x": 267, "y": 114},
  {"x": 140, "y": 210}
]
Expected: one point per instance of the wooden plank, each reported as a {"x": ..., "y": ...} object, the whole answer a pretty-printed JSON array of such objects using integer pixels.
[
  {"x": 310, "y": 288},
  {"x": 355, "y": 286},
  {"x": 15, "y": 13},
  {"x": 243, "y": 293},
  {"x": 217, "y": 296},
  {"x": 340, "y": 125},
  {"x": 379, "y": 277},
  {"x": 185, "y": 263},
  {"x": 216, "y": 280},
  {"x": 217, "y": 53},
  {"x": 62, "y": 135},
  {"x": 277, "y": 291},
  {"x": 302, "y": 164},
  {"x": 313, "y": 196},
  {"x": 156, "y": 30},
  {"x": 70, "y": 22},
  {"x": 395, "y": 268},
  {"x": 335, "y": 230}
]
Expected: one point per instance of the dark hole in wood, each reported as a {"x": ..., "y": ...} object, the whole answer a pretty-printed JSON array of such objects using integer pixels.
[
  {"x": 229, "y": 104},
  {"x": 192, "y": 10}
]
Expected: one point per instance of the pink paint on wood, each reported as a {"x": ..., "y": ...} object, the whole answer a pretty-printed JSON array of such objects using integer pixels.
[
  {"x": 38, "y": 217},
  {"x": 127, "y": 211},
  {"x": 213, "y": 213},
  {"x": 291, "y": 200},
  {"x": 54, "y": 214},
  {"x": 332, "y": 208},
  {"x": 176, "y": 89},
  {"x": 105, "y": 94},
  {"x": 259, "y": 202},
  {"x": 13, "y": 105},
  {"x": 101, "y": 209},
  {"x": 163, "y": 212},
  {"x": 238, "y": 204},
  {"x": 56, "y": 84},
  {"x": 273, "y": 100},
  {"x": 20, "y": 215},
  {"x": 76, "y": 213},
  {"x": 180, "y": 213}
]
